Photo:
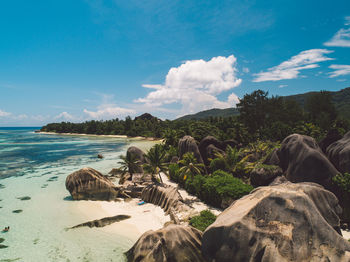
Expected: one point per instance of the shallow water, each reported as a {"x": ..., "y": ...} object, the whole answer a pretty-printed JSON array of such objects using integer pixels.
[{"x": 33, "y": 169}]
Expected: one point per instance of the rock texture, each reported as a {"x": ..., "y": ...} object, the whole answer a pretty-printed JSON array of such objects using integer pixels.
[
  {"x": 302, "y": 160},
  {"x": 169, "y": 244},
  {"x": 140, "y": 155},
  {"x": 339, "y": 153},
  {"x": 287, "y": 222},
  {"x": 189, "y": 144},
  {"x": 89, "y": 184},
  {"x": 167, "y": 197},
  {"x": 264, "y": 175},
  {"x": 214, "y": 144},
  {"x": 331, "y": 137},
  {"x": 102, "y": 222}
]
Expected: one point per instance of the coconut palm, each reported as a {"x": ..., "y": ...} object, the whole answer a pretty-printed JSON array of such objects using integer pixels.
[
  {"x": 156, "y": 161},
  {"x": 190, "y": 166},
  {"x": 128, "y": 163}
]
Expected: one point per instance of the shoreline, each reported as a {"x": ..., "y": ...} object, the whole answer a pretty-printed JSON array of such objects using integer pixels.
[{"x": 104, "y": 136}]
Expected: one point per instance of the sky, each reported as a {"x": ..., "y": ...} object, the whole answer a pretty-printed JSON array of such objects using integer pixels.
[{"x": 64, "y": 60}]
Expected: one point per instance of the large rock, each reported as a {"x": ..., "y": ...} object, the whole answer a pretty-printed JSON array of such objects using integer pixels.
[
  {"x": 139, "y": 155},
  {"x": 205, "y": 143},
  {"x": 169, "y": 244},
  {"x": 287, "y": 222},
  {"x": 331, "y": 137},
  {"x": 302, "y": 160},
  {"x": 263, "y": 175},
  {"x": 89, "y": 184},
  {"x": 167, "y": 197},
  {"x": 189, "y": 144},
  {"x": 339, "y": 153}
]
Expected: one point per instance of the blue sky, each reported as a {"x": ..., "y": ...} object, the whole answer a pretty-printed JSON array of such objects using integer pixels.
[{"x": 92, "y": 59}]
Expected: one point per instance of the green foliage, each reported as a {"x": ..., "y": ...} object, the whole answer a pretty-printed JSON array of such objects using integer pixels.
[
  {"x": 205, "y": 219},
  {"x": 190, "y": 166},
  {"x": 218, "y": 164},
  {"x": 174, "y": 172},
  {"x": 222, "y": 185},
  {"x": 321, "y": 109},
  {"x": 156, "y": 158},
  {"x": 128, "y": 163},
  {"x": 343, "y": 181}
]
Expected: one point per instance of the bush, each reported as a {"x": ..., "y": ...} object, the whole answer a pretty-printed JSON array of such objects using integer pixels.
[
  {"x": 222, "y": 185},
  {"x": 343, "y": 181},
  {"x": 205, "y": 219},
  {"x": 174, "y": 172},
  {"x": 217, "y": 164}
]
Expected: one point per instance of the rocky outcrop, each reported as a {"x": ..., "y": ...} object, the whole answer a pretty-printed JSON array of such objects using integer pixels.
[
  {"x": 331, "y": 137},
  {"x": 103, "y": 222},
  {"x": 167, "y": 197},
  {"x": 212, "y": 151},
  {"x": 302, "y": 160},
  {"x": 263, "y": 175},
  {"x": 339, "y": 153},
  {"x": 189, "y": 144},
  {"x": 205, "y": 143},
  {"x": 89, "y": 184},
  {"x": 169, "y": 244},
  {"x": 287, "y": 222},
  {"x": 140, "y": 156}
]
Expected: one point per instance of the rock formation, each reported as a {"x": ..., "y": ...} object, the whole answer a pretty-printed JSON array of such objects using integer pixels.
[
  {"x": 166, "y": 197},
  {"x": 264, "y": 175},
  {"x": 173, "y": 243},
  {"x": 214, "y": 143},
  {"x": 286, "y": 222},
  {"x": 89, "y": 184},
  {"x": 188, "y": 144},
  {"x": 331, "y": 137},
  {"x": 339, "y": 153},
  {"x": 102, "y": 222},
  {"x": 302, "y": 160},
  {"x": 139, "y": 155}
]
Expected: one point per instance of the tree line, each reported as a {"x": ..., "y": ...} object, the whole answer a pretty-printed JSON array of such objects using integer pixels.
[{"x": 261, "y": 117}]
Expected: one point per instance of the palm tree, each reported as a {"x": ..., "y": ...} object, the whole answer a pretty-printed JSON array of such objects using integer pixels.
[
  {"x": 128, "y": 163},
  {"x": 231, "y": 158},
  {"x": 156, "y": 161},
  {"x": 190, "y": 166}
]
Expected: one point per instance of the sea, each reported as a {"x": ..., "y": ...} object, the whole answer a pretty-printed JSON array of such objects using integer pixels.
[{"x": 36, "y": 205}]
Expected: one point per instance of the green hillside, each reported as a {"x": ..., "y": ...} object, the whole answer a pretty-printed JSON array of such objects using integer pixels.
[
  {"x": 341, "y": 100},
  {"x": 215, "y": 112}
]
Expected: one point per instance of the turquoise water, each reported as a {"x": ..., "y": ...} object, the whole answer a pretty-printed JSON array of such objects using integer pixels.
[{"x": 36, "y": 166}]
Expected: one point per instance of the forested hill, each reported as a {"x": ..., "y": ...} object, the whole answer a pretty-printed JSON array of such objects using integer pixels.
[
  {"x": 340, "y": 99},
  {"x": 215, "y": 112}
]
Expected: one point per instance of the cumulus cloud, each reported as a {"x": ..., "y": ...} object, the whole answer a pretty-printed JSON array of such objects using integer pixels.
[
  {"x": 4, "y": 114},
  {"x": 109, "y": 112},
  {"x": 291, "y": 68},
  {"x": 339, "y": 70},
  {"x": 342, "y": 37},
  {"x": 195, "y": 85},
  {"x": 64, "y": 116}
]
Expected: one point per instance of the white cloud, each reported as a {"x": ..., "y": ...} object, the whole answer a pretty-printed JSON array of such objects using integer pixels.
[
  {"x": 64, "y": 116},
  {"x": 291, "y": 68},
  {"x": 109, "y": 112},
  {"x": 245, "y": 70},
  {"x": 281, "y": 86},
  {"x": 195, "y": 85},
  {"x": 4, "y": 114},
  {"x": 342, "y": 37},
  {"x": 339, "y": 70}
]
